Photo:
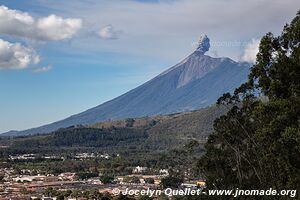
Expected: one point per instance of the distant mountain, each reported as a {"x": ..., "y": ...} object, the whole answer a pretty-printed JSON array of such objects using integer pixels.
[{"x": 194, "y": 83}]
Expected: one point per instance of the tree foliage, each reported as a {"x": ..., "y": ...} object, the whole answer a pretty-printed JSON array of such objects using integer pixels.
[
  {"x": 106, "y": 179},
  {"x": 171, "y": 182},
  {"x": 256, "y": 145}
]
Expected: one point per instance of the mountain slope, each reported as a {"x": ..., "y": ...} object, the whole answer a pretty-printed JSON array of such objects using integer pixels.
[
  {"x": 158, "y": 133},
  {"x": 194, "y": 83}
]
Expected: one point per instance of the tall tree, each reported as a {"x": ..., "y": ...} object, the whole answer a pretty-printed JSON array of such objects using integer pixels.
[{"x": 256, "y": 145}]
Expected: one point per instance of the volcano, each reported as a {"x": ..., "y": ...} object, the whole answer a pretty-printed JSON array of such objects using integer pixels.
[{"x": 194, "y": 83}]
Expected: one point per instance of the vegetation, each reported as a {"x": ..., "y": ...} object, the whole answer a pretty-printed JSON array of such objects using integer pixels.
[
  {"x": 89, "y": 137},
  {"x": 171, "y": 182},
  {"x": 156, "y": 133},
  {"x": 155, "y": 142},
  {"x": 149, "y": 180},
  {"x": 89, "y": 194},
  {"x": 86, "y": 175},
  {"x": 129, "y": 122},
  {"x": 132, "y": 179},
  {"x": 256, "y": 145},
  {"x": 106, "y": 179}
]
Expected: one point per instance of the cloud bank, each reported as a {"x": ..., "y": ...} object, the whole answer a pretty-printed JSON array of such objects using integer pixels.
[
  {"x": 22, "y": 25},
  {"x": 158, "y": 30},
  {"x": 16, "y": 56},
  {"x": 165, "y": 28},
  {"x": 57, "y": 28}
]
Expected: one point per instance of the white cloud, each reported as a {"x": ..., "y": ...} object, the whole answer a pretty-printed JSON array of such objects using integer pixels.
[
  {"x": 13, "y": 22},
  {"x": 42, "y": 69},
  {"x": 16, "y": 56},
  {"x": 21, "y": 24},
  {"x": 250, "y": 51},
  {"x": 164, "y": 30},
  {"x": 57, "y": 28},
  {"x": 108, "y": 32}
]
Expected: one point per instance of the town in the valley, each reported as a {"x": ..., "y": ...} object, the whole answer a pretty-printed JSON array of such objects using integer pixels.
[{"x": 33, "y": 184}]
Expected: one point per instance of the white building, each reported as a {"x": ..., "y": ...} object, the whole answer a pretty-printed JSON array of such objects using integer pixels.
[
  {"x": 139, "y": 169},
  {"x": 164, "y": 172}
]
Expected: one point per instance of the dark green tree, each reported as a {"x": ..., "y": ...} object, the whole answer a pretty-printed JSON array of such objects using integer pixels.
[
  {"x": 124, "y": 197},
  {"x": 135, "y": 179},
  {"x": 60, "y": 197},
  {"x": 129, "y": 122},
  {"x": 256, "y": 145},
  {"x": 171, "y": 182},
  {"x": 106, "y": 179},
  {"x": 145, "y": 198},
  {"x": 149, "y": 180}
]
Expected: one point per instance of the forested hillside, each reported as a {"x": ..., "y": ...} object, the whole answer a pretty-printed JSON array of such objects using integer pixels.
[{"x": 161, "y": 133}]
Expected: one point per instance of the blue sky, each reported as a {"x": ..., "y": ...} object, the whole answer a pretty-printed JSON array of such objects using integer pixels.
[{"x": 103, "y": 48}]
